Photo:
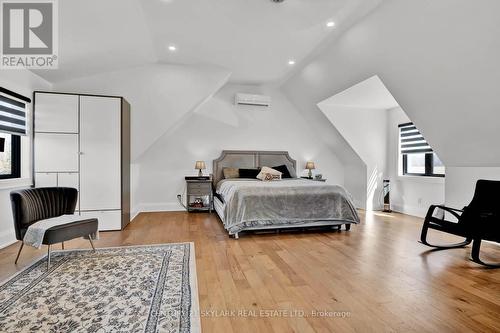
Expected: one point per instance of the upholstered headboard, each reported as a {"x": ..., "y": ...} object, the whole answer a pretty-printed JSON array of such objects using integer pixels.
[{"x": 251, "y": 159}]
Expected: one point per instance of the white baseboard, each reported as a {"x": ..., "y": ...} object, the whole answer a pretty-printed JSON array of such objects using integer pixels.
[
  {"x": 160, "y": 207},
  {"x": 133, "y": 214},
  {"x": 7, "y": 238},
  {"x": 410, "y": 210},
  {"x": 155, "y": 207}
]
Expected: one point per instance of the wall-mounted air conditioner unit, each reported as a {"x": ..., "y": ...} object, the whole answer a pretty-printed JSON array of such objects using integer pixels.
[{"x": 250, "y": 99}]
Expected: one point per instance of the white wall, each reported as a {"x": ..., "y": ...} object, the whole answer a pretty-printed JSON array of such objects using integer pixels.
[
  {"x": 461, "y": 182},
  {"x": 23, "y": 82},
  {"x": 439, "y": 59},
  {"x": 218, "y": 125},
  {"x": 180, "y": 114},
  {"x": 374, "y": 135},
  {"x": 305, "y": 99},
  {"x": 409, "y": 195},
  {"x": 366, "y": 132}
]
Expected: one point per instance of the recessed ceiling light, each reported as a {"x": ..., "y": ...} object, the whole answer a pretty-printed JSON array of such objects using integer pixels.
[
  {"x": 330, "y": 24},
  {"x": 172, "y": 48},
  {"x": 291, "y": 62}
]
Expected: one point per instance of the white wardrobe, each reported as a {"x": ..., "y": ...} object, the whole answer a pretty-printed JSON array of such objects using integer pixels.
[{"x": 83, "y": 141}]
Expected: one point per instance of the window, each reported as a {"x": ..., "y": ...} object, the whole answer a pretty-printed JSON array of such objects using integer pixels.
[
  {"x": 12, "y": 126},
  {"x": 10, "y": 156},
  {"x": 418, "y": 158}
]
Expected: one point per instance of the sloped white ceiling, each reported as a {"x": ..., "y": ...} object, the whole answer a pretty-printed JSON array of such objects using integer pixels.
[
  {"x": 252, "y": 39},
  {"x": 439, "y": 59},
  {"x": 98, "y": 36},
  {"x": 369, "y": 94}
]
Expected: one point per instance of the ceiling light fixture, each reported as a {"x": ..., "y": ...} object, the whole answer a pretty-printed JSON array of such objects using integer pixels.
[
  {"x": 172, "y": 48},
  {"x": 291, "y": 62},
  {"x": 330, "y": 24}
]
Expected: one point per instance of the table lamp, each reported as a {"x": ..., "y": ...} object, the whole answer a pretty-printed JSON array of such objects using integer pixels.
[
  {"x": 310, "y": 166},
  {"x": 200, "y": 165}
]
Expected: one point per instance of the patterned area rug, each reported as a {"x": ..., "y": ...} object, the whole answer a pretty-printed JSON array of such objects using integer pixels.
[{"x": 125, "y": 289}]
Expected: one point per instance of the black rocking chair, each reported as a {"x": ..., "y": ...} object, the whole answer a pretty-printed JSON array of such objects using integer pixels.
[{"x": 478, "y": 221}]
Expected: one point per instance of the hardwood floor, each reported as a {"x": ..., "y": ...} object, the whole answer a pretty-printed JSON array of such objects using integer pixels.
[{"x": 376, "y": 277}]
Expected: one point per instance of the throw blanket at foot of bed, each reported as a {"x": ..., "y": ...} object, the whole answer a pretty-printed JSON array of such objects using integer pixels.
[{"x": 252, "y": 203}]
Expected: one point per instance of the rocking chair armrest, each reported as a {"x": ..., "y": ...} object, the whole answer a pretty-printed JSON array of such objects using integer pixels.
[{"x": 452, "y": 211}]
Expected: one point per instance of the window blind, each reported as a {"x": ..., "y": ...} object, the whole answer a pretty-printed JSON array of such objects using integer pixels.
[
  {"x": 12, "y": 113},
  {"x": 411, "y": 140}
]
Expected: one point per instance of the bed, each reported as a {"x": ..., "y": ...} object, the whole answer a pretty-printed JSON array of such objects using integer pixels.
[{"x": 245, "y": 204}]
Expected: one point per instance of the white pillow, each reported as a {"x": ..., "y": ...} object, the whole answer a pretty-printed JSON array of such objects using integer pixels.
[{"x": 267, "y": 173}]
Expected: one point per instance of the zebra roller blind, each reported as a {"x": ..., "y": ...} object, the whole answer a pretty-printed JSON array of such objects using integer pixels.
[
  {"x": 12, "y": 113},
  {"x": 411, "y": 141}
]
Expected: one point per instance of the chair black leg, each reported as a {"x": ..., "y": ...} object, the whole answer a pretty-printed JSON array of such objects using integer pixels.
[
  {"x": 62, "y": 245},
  {"x": 476, "y": 249},
  {"x": 19, "y": 252},
  {"x": 347, "y": 226},
  {"x": 423, "y": 240},
  {"x": 48, "y": 257},
  {"x": 91, "y": 242}
]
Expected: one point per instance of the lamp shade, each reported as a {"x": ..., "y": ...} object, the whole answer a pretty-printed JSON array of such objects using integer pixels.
[
  {"x": 310, "y": 165},
  {"x": 200, "y": 165}
]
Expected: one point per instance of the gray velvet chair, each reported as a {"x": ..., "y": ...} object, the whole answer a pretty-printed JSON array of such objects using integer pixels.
[{"x": 32, "y": 205}]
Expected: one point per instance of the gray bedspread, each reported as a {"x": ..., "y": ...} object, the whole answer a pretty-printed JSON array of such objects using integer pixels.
[{"x": 251, "y": 203}]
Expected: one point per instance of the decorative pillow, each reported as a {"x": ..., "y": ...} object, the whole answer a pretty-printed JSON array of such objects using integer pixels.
[
  {"x": 267, "y": 173},
  {"x": 231, "y": 173},
  {"x": 249, "y": 173},
  {"x": 284, "y": 171},
  {"x": 268, "y": 177}
]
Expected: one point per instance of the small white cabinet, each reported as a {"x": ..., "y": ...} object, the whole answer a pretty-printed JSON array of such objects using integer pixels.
[
  {"x": 56, "y": 152},
  {"x": 67, "y": 179},
  {"x": 45, "y": 179},
  {"x": 56, "y": 113},
  {"x": 83, "y": 141},
  {"x": 54, "y": 179}
]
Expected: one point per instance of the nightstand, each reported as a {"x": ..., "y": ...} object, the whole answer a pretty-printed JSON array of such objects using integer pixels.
[
  {"x": 314, "y": 179},
  {"x": 199, "y": 194}
]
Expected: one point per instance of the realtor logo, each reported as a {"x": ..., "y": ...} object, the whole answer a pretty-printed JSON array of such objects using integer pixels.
[{"x": 29, "y": 34}]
